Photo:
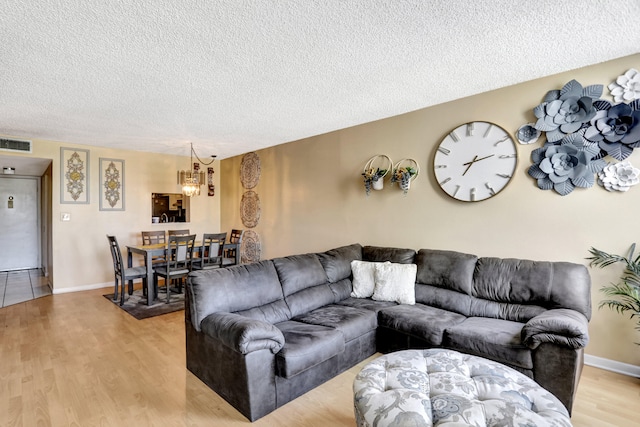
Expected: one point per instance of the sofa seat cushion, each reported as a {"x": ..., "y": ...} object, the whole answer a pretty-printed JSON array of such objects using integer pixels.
[
  {"x": 495, "y": 339},
  {"x": 306, "y": 346},
  {"x": 351, "y": 322},
  {"x": 422, "y": 321},
  {"x": 367, "y": 304}
]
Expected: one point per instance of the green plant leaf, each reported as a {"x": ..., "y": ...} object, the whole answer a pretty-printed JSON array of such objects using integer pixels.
[{"x": 624, "y": 296}]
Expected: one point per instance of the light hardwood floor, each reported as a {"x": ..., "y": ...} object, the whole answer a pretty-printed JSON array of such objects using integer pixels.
[{"x": 78, "y": 360}]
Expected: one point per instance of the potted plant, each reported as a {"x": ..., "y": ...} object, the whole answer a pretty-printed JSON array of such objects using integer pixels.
[
  {"x": 625, "y": 295},
  {"x": 374, "y": 175},
  {"x": 403, "y": 175},
  {"x": 373, "y": 178}
]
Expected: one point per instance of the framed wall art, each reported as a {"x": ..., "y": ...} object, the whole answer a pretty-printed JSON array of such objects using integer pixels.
[
  {"x": 74, "y": 175},
  {"x": 111, "y": 184}
]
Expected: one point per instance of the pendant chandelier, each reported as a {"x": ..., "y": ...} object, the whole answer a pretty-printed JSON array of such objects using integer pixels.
[{"x": 192, "y": 179}]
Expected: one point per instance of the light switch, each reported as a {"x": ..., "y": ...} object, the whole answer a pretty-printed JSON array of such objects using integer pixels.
[{"x": 65, "y": 216}]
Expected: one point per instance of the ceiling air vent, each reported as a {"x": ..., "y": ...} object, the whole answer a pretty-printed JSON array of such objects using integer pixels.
[{"x": 15, "y": 145}]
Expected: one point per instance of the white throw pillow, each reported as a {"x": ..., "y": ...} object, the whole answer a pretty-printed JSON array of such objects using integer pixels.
[
  {"x": 363, "y": 280},
  {"x": 395, "y": 282}
]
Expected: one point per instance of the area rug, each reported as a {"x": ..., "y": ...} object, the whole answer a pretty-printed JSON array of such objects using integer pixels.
[{"x": 136, "y": 304}]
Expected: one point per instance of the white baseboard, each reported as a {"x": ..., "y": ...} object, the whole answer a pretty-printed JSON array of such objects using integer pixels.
[
  {"x": 82, "y": 288},
  {"x": 612, "y": 365}
]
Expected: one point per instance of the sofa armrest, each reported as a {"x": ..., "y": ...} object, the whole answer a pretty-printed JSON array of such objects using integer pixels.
[
  {"x": 562, "y": 326},
  {"x": 241, "y": 333}
]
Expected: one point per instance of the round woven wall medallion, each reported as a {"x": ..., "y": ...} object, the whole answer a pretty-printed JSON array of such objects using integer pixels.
[
  {"x": 250, "y": 209},
  {"x": 250, "y": 248},
  {"x": 250, "y": 170}
]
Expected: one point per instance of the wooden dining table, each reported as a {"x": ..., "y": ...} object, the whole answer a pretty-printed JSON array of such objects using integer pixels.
[
  {"x": 148, "y": 252},
  {"x": 160, "y": 249}
]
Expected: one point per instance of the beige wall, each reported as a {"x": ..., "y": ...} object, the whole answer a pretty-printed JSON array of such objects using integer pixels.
[
  {"x": 80, "y": 257},
  {"x": 312, "y": 197}
]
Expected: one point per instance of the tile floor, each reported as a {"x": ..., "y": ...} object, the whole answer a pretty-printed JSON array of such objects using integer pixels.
[{"x": 22, "y": 285}]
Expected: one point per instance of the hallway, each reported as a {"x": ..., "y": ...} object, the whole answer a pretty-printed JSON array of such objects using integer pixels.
[{"x": 22, "y": 285}]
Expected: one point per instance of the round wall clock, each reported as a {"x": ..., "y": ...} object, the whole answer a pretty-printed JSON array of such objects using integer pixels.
[{"x": 475, "y": 161}]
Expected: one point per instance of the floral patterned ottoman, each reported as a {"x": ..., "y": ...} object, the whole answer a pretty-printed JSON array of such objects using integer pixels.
[{"x": 438, "y": 387}]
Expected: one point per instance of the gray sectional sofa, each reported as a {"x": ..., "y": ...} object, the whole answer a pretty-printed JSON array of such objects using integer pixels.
[{"x": 262, "y": 334}]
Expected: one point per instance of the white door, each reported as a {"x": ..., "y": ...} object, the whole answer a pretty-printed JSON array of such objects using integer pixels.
[{"x": 19, "y": 223}]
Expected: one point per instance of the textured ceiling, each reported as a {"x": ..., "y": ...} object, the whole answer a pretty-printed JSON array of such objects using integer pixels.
[{"x": 233, "y": 76}]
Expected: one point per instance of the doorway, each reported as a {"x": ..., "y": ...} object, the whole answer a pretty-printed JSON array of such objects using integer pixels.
[{"x": 20, "y": 223}]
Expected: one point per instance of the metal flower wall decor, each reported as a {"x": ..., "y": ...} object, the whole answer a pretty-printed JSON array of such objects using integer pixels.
[
  {"x": 581, "y": 130},
  {"x": 563, "y": 112},
  {"x": 616, "y": 128},
  {"x": 619, "y": 176},
  {"x": 566, "y": 166},
  {"x": 626, "y": 87}
]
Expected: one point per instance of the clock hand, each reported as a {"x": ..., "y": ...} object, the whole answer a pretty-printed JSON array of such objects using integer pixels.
[
  {"x": 485, "y": 157},
  {"x": 468, "y": 164},
  {"x": 475, "y": 159}
]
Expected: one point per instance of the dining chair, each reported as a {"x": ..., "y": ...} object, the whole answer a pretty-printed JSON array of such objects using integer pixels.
[
  {"x": 179, "y": 258},
  {"x": 153, "y": 237},
  {"x": 123, "y": 274},
  {"x": 184, "y": 232},
  {"x": 211, "y": 251},
  {"x": 232, "y": 248}
]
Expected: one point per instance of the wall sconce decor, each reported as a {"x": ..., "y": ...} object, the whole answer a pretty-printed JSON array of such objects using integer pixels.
[
  {"x": 374, "y": 175},
  {"x": 405, "y": 171},
  {"x": 192, "y": 179}
]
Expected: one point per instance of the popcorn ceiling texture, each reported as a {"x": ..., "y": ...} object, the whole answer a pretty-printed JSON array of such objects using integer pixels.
[{"x": 233, "y": 76}]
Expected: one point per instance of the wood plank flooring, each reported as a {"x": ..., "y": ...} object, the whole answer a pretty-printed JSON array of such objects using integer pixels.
[{"x": 78, "y": 360}]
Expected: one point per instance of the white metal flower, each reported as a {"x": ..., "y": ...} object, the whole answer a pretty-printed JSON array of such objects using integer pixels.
[
  {"x": 619, "y": 176},
  {"x": 626, "y": 87}
]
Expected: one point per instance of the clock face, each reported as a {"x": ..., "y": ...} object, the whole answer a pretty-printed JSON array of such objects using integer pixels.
[{"x": 475, "y": 161}]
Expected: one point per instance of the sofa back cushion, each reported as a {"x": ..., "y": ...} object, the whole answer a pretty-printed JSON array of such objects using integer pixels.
[
  {"x": 384, "y": 254},
  {"x": 337, "y": 262},
  {"x": 509, "y": 289},
  {"x": 446, "y": 269},
  {"x": 298, "y": 272},
  {"x": 304, "y": 283},
  {"x": 446, "y": 299},
  {"x": 237, "y": 289},
  {"x": 547, "y": 284},
  {"x": 342, "y": 289}
]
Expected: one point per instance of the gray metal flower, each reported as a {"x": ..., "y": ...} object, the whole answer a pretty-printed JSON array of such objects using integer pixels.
[
  {"x": 527, "y": 134},
  {"x": 616, "y": 128},
  {"x": 563, "y": 112},
  {"x": 566, "y": 166}
]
